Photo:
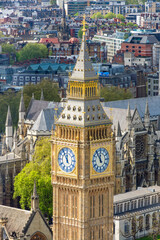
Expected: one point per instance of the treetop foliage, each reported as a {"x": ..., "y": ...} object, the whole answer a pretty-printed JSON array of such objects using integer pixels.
[
  {"x": 110, "y": 15},
  {"x": 37, "y": 170},
  {"x": 115, "y": 93},
  {"x": 31, "y": 51},
  {"x": 50, "y": 92}
]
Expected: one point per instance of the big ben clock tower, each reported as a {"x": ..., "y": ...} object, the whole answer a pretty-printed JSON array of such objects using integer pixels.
[{"x": 83, "y": 149}]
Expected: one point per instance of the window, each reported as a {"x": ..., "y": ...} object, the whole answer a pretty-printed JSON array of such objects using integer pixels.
[
  {"x": 74, "y": 206},
  {"x": 154, "y": 220},
  {"x": 65, "y": 204},
  {"x": 101, "y": 207},
  {"x": 134, "y": 228},
  {"x": 126, "y": 228},
  {"x": 92, "y": 206},
  {"x": 147, "y": 222},
  {"x": 140, "y": 223},
  {"x": 92, "y": 234}
]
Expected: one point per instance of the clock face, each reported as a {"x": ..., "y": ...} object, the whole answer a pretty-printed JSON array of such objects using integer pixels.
[
  {"x": 100, "y": 160},
  {"x": 66, "y": 160}
]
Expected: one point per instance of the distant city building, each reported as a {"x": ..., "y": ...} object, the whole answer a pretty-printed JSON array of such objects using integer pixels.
[
  {"x": 131, "y": 60},
  {"x": 140, "y": 45},
  {"x": 72, "y": 7},
  {"x": 112, "y": 42},
  {"x": 156, "y": 54},
  {"x": 153, "y": 84}
]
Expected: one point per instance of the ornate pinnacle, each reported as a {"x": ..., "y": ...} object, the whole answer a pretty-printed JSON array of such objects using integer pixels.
[{"x": 84, "y": 25}]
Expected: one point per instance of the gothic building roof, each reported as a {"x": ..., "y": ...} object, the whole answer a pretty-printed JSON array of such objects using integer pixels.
[
  {"x": 46, "y": 118},
  {"x": 136, "y": 194},
  {"x": 18, "y": 221},
  {"x": 17, "y": 218},
  {"x": 117, "y": 110},
  {"x": 34, "y": 109}
]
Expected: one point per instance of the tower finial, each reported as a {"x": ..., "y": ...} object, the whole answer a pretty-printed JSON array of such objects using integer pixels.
[{"x": 84, "y": 25}]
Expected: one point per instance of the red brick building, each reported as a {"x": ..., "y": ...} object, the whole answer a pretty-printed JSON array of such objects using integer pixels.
[{"x": 140, "y": 45}]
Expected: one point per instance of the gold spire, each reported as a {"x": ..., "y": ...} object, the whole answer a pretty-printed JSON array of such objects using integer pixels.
[{"x": 84, "y": 25}]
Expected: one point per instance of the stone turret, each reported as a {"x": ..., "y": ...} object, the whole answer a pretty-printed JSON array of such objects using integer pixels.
[
  {"x": 21, "y": 110},
  {"x": 42, "y": 95},
  {"x": 129, "y": 118},
  {"x": 9, "y": 130},
  {"x": 34, "y": 199},
  {"x": 147, "y": 116},
  {"x": 31, "y": 148},
  {"x": 15, "y": 140}
]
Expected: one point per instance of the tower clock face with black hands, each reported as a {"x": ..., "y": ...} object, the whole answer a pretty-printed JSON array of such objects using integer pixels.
[
  {"x": 66, "y": 160},
  {"x": 100, "y": 160}
]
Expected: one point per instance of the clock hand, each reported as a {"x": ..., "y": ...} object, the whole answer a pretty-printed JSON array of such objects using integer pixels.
[
  {"x": 100, "y": 160},
  {"x": 66, "y": 157}
]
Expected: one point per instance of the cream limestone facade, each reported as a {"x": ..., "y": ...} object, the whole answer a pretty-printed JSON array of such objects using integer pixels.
[{"x": 83, "y": 148}]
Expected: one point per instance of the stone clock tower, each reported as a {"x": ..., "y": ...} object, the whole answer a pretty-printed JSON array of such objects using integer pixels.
[{"x": 83, "y": 148}]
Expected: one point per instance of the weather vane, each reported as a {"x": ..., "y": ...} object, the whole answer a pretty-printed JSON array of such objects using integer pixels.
[{"x": 84, "y": 25}]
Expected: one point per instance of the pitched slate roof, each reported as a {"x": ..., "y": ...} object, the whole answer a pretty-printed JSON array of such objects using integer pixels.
[
  {"x": 140, "y": 103},
  {"x": 46, "y": 119},
  {"x": 117, "y": 110},
  {"x": 34, "y": 109},
  {"x": 17, "y": 218}
]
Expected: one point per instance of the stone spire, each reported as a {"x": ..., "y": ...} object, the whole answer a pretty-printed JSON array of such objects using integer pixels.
[
  {"x": 9, "y": 118},
  {"x": 31, "y": 147},
  {"x": 21, "y": 105},
  {"x": 147, "y": 116},
  {"x": 9, "y": 130},
  {"x": 83, "y": 85},
  {"x": 15, "y": 140},
  {"x": 32, "y": 95},
  {"x": 128, "y": 117},
  {"x": 42, "y": 96},
  {"x": 119, "y": 133},
  {"x": 21, "y": 111},
  {"x": 83, "y": 69},
  {"x": 63, "y": 11},
  {"x": 34, "y": 199}
]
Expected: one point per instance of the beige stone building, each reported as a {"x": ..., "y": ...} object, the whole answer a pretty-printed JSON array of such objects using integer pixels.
[
  {"x": 83, "y": 147},
  {"x": 21, "y": 224}
]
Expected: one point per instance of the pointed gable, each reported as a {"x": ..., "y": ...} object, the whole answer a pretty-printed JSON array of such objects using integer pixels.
[{"x": 137, "y": 121}]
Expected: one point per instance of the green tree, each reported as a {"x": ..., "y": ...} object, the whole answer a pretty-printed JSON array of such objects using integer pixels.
[
  {"x": 130, "y": 24},
  {"x": 50, "y": 91},
  {"x": 97, "y": 15},
  {"x": 32, "y": 50},
  {"x": 110, "y": 15},
  {"x": 9, "y": 98},
  {"x": 115, "y": 93},
  {"x": 37, "y": 170},
  {"x": 9, "y": 49},
  {"x": 120, "y": 17},
  {"x": 52, "y": 2}
]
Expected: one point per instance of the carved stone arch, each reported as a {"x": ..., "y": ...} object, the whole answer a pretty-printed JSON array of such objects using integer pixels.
[{"x": 38, "y": 236}]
